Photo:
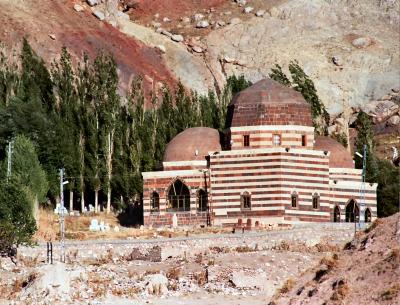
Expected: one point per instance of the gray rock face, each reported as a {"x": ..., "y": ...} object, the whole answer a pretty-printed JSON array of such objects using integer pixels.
[
  {"x": 184, "y": 65},
  {"x": 326, "y": 32}
]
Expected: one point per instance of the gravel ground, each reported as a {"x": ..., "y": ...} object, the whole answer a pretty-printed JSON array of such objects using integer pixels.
[{"x": 213, "y": 269}]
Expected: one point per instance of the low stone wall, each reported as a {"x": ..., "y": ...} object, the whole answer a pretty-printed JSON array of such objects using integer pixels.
[
  {"x": 160, "y": 249},
  {"x": 183, "y": 219}
]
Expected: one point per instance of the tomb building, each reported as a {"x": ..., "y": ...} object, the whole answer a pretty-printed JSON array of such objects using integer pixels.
[{"x": 268, "y": 166}]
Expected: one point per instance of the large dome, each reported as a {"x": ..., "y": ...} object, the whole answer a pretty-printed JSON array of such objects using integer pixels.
[
  {"x": 268, "y": 102},
  {"x": 192, "y": 144},
  {"x": 339, "y": 157}
]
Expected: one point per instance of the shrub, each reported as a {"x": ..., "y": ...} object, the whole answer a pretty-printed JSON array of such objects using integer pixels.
[{"x": 17, "y": 224}]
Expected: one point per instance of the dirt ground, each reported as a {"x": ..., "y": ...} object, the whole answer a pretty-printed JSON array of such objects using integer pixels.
[
  {"x": 217, "y": 268},
  {"x": 305, "y": 264}
]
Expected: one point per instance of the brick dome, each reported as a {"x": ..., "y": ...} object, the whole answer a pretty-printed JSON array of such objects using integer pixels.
[
  {"x": 184, "y": 146},
  {"x": 339, "y": 157},
  {"x": 268, "y": 102}
]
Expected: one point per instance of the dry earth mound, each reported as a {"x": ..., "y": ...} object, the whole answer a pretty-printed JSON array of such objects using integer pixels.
[
  {"x": 366, "y": 272},
  {"x": 54, "y": 24}
]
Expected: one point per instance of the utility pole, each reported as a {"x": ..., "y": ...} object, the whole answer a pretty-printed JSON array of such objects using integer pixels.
[
  {"x": 9, "y": 157},
  {"x": 362, "y": 190},
  {"x": 61, "y": 213}
]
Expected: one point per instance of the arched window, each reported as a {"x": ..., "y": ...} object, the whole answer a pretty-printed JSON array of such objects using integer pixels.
[
  {"x": 154, "y": 202},
  {"x": 303, "y": 140},
  {"x": 202, "y": 200},
  {"x": 315, "y": 201},
  {"x": 178, "y": 197},
  {"x": 245, "y": 201},
  {"x": 336, "y": 214},
  {"x": 295, "y": 200},
  {"x": 368, "y": 217},
  {"x": 276, "y": 139},
  {"x": 352, "y": 211}
]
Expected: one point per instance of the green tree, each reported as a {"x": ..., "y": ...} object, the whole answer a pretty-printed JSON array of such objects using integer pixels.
[
  {"x": 388, "y": 191},
  {"x": 301, "y": 82},
  {"x": 365, "y": 136},
  {"x": 17, "y": 224},
  {"x": 64, "y": 81},
  {"x": 27, "y": 170}
]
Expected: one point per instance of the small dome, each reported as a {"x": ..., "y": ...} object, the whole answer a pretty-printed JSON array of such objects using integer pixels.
[
  {"x": 339, "y": 157},
  {"x": 268, "y": 102},
  {"x": 192, "y": 144}
]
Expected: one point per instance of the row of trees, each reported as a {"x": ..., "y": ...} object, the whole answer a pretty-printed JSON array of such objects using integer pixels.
[
  {"x": 77, "y": 120},
  {"x": 74, "y": 118}
]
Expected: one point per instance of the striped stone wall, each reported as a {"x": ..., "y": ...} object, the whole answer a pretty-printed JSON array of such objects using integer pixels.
[
  {"x": 262, "y": 136},
  {"x": 270, "y": 176},
  {"x": 160, "y": 182}
]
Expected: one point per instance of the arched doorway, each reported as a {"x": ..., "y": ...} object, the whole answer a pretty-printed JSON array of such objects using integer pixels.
[
  {"x": 155, "y": 202},
  {"x": 178, "y": 197},
  {"x": 336, "y": 214},
  {"x": 352, "y": 211},
  {"x": 202, "y": 200},
  {"x": 368, "y": 216}
]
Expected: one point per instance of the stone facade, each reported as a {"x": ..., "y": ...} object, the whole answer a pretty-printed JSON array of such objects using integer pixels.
[{"x": 273, "y": 170}]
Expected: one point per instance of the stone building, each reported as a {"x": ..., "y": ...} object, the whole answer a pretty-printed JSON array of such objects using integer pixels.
[{"x": 267, "y": 167}]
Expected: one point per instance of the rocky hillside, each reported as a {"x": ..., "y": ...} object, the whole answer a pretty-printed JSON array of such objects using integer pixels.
[
  {"x": 350, "y": 48},
  {"x": 366, "y": 272}
]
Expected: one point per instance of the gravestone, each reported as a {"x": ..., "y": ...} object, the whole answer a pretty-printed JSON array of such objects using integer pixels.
[
  {"x": 174, "y": 221},
  {"x": 94, "y": 225}
]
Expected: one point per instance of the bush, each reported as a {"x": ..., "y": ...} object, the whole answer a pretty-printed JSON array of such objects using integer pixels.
[{"x": 17, "y": 224}]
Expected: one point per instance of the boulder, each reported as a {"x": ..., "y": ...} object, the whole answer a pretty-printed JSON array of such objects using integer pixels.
[
  {"x": 78, "y": 8},
  {"x": 166, "y": 19},
  {"x": 380, "y": 111},
  {"x": 394, "y": 120},
  {"x": 274, "y": 12},
  {"x": 198, "y": 17},
  {"x": 197, "y": 49},
  {"x": 177, "y": 38},
  {"x": 92, "y": 2},
  {"x": 99, "y": 15},
  {"x": 221, "y": 23},
  {"x": 235, "y": 21},
  {"x": 157, "y": 284},
  {"x": 260, "y": 13},
  {"x": 202, "y": 24},
  {"x": 361, "y": 42},
  {"x": 241, "y": 2},
  {"x": 337, "y": 61},
  {"x": 185, "y": 19},
  {"x": 248, "y": 9},
  {"x": 161, "y": 48}
]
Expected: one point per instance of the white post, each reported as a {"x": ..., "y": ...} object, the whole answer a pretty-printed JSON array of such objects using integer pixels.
[
  {"x": 62, "y": 227},
  {"x": 362, "y": 191},
  {"x": 9, "y": 158}
]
